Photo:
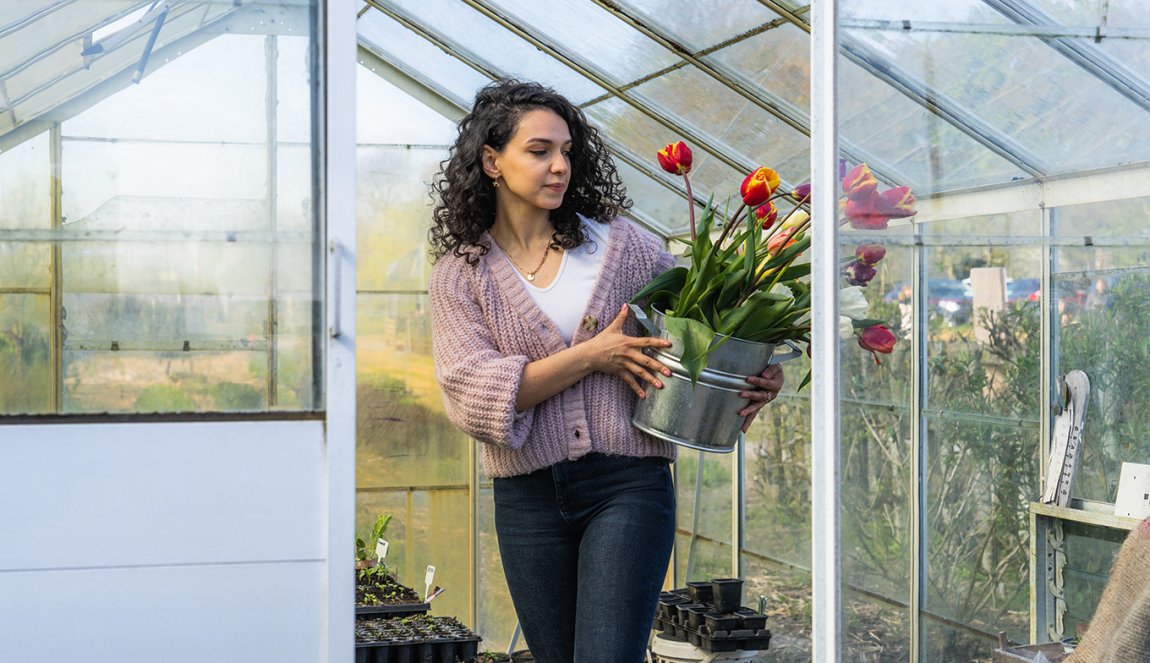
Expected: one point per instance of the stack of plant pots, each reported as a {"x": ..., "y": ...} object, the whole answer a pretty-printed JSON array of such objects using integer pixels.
[
  {"x": 711, "y": 617},
  {"x": 390, "y": 630}
]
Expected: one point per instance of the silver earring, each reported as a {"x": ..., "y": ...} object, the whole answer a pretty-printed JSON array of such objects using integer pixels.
[{"x": 495, "y": 182}]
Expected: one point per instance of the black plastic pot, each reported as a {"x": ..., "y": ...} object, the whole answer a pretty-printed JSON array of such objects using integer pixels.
[
  {"x": 717, "y": 621},
  {"x": 728, "y": 594},
  {"x": 683, "y": 613},
  {"x": 695, "y": 620},
  {"x": 700, "y": 592},
  {"x": 749, "y": 619}
]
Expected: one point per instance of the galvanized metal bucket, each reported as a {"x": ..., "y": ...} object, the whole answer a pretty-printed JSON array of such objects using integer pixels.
[{"x": 705, "y": 415}]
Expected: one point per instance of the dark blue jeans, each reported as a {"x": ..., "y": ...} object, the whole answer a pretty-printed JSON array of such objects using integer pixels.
[{"x": 585, "y": 547}]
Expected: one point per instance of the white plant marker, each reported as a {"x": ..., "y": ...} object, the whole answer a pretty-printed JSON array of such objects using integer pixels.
[
  {"x": 427, "y": 580},
  {"x": 380, "y": 550}
]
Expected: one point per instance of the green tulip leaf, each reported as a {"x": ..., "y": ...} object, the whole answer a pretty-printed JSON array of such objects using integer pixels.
[{"x": 696, "y": 338}]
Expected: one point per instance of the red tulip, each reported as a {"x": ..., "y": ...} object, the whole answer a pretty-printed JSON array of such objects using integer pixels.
[
  {"x": 877, "y": 339},
  {"x": 766, "y": 214},
  {"x": 758, "y": 186},
  {"x": 896, "y": 203},
  {"x": 675, "y": 158},
  {"x": 802, "y": 192},
  {"x": 860, "y": 183},
  {"x": 870, "y": 254},
  {"x": 859, "y": 273}
]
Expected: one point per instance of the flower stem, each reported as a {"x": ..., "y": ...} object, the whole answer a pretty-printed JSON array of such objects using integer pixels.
[{"x": 690, "y": 204}]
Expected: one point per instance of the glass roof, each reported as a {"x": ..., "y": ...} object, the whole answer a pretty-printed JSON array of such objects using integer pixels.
[{"x": 990, "y": 80}]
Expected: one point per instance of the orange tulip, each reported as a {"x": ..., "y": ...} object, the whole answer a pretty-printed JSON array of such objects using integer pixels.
[
  {"x": 781, "y": 240},
  {"x": 758, "y": 186}
]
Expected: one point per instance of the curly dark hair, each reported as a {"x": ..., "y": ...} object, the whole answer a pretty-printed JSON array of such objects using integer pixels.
[{"x": 465, "y": 197}]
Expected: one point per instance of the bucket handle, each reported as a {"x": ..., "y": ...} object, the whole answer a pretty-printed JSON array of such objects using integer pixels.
[
  {"x": 644, "y": 320},
  {"x": 795, "y": 353}
]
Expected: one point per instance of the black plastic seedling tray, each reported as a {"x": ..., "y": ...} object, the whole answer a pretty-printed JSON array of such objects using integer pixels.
[
  {"x": 444, "y": 650},
  {"x": 678, "y": 619},
  {"x": 371, "y": 611}
]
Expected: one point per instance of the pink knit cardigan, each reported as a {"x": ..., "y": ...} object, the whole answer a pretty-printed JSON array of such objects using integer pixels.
[{"x": 486, "y": 328}]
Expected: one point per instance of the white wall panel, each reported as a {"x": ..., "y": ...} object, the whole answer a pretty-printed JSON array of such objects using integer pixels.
[
  {"x": 84, "y": 496},
  {"x": 246, "y": 613}
]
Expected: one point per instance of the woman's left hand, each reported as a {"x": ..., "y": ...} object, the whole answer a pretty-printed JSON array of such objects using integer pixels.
[{"x": 767, "y": 387}]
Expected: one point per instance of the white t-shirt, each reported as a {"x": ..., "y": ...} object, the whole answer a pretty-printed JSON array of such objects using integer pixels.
[{"x": 565, "y": 299}]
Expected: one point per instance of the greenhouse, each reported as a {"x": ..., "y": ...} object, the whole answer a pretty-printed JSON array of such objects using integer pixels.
[{"x": 216, "y": 360}]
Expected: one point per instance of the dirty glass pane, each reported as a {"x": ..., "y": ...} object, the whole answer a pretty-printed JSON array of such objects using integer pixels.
[
  {"x": 507, "y": 53},
  {"x": 778, "y": 61},
  {"x": 591, "y": 35},
  {"x": 186, "y": 249},
  {"x": 697, "y": 25},
  {"x": 496, "y": 620},
  {"x": 25, "y": 354},
  {"x": 981, "y": 475},
  {"x": 394, "y": 43},
  {"x": 395, "y": 213},
  {"x": 709, "y": 516}
]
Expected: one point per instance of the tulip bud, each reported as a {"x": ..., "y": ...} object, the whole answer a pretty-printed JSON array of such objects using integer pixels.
[
  {"x": 860, "y": 183},
  {"x": 795, "y": 218},
  {"x": 758, "y": 186},
  {"x": 781, "y": 240},
  {"x": 675, "y": 158},
  {"x": 859, "y": 273},
  {"x": 766, "y": 214},
  {"x": 877, "y": 339},
  {"x": 870, "y": 254},
  {"x": 802, "y": 192}
]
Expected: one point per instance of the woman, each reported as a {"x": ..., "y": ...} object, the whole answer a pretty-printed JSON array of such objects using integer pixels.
[{"x": 538, "y": 360}]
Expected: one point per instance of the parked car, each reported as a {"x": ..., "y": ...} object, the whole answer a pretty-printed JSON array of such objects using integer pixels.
[
  {"x": 1024, "y": 290},
  {"x": 946, "y": 298}
]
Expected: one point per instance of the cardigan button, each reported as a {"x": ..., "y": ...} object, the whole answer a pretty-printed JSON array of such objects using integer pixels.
[{"x": 577, "y": 432}]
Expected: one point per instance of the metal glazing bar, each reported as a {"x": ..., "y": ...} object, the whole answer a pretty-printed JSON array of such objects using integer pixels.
[
  {"x": 944, "y": 107},
  {"x": 826, "y": 487},
  {"x": 1015, "y": 30},
  {"x": 774, "y": 105},
  {"x": 1093, "y": 60},
  {"x": 792, "y": 14},
  {"x": 669, "y": 120},
  {"x": 918, "y": 453},
  {"x": 63, "y": 43},
  {"x": 56, "y": 297},
  {"x": 25, "y": 21},
  {"x": 271, "y": 325}
]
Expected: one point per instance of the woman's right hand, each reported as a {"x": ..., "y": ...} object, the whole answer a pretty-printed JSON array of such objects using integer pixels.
[{"x": 614, "y": 352}]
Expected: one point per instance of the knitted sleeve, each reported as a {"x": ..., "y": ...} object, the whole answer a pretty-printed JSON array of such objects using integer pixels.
[{"x": 479, "y": 383}]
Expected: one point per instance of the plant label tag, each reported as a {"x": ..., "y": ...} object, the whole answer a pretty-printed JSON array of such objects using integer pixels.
[
  {"x": 380, "y": 549},
  {"x": 427, "y": 580}
]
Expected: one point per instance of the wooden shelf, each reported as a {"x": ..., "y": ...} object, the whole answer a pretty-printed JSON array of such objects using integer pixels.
[{"x": 1100, "y": 514}]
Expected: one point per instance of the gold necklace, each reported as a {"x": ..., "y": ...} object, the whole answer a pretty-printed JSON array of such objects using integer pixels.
[{"x": 531, "y": 274}]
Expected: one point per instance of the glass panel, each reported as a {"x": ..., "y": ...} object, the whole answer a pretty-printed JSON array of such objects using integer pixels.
[
  {"x": 742, "y": 129},
  {"x": 395, "y": 213},
  {"x": 508, "y": 54},
  {"x": 788, "y": 607},
  {"x": 880, "y": 631},
  {"x": 709, "y": 517},
  {"x": 25, "y": 185},
  {"x": 777, "y": 485},
  {"x": 697, "y": 25},
  {"x": 891, "y": 128},
  {"x": 496, "y": 620},
  {"x": 427, "y": 527},
  {"x": 403, "y": 429},
  {"x": 778, "y": 60},
  {"x": 947, "y": 641},
  {"x": 1121, "y": 14},
  {"x": 25, "y": 355},
  {"x": 25, "y": 203},
  {"x": 1090, "y": 554},
  {"x": 395, "y": 119},
  {"x": 170, "y": 254},
  {"x": 591, "y": 35},
  {"x": 391, "y": 41},
  {"x": 980, "y": 478}
]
